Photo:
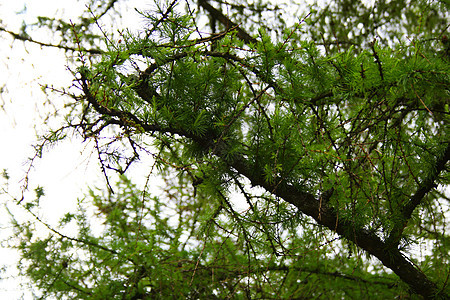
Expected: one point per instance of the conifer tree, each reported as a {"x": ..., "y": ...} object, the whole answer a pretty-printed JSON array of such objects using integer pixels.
[{"x": 332, "y": 132}]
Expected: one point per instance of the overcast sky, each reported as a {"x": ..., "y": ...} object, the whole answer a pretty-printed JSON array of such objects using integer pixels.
[{"x": 65, "y": 171}]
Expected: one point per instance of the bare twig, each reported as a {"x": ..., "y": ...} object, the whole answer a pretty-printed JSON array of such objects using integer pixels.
[{"x": 25, "y": 38}]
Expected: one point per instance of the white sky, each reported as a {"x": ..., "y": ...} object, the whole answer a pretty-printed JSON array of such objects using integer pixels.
[{"x": 66, "y": 170}]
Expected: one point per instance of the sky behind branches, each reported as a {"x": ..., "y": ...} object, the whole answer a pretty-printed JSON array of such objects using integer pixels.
[{"x": 69, "y": 168}]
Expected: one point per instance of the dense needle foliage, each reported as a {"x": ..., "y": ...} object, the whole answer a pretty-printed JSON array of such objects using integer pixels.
[{"x": 331, "y": 133}]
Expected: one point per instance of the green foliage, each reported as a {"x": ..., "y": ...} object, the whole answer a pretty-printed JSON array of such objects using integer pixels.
[
  {"x": 333, "y": 136},
  {"x": 153, "y": 248}
]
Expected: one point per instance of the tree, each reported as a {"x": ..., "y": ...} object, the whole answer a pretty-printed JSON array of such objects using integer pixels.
[{"x": 334, "y": 135}]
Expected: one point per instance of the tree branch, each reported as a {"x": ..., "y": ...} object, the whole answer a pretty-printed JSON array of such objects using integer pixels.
[
  {"x": 425, "y": 187},
  {"x": 327, "y": 217},
  {"x": 304, "y": 201},
  {"x": 216, "y": 14},
  {"x": 25, "y": 38}
]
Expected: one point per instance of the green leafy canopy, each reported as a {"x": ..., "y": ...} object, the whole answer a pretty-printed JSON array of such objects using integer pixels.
[{"x": 333, "y": 136}]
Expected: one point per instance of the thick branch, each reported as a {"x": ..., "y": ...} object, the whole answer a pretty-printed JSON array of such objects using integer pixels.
[
  {"x": 125, "y": 118},
  {"x": 304, "y": 201},
  {"x": 216, "y": 14},
  {"x": 327, "y": 217}
]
